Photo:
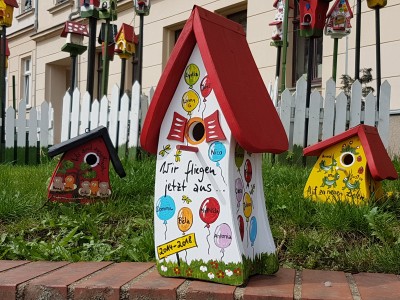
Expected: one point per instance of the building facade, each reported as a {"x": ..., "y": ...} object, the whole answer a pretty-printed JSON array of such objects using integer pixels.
[{"x": 42, "y": 72}]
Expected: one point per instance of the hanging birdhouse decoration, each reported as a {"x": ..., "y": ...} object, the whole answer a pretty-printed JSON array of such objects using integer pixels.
[
  {"x": 350, "y": 167},
  {"x": 338, "y": 19},
  {"x": 373, "y": 4},
  {"x": 108, "y": 9},
  {"x": 6, "y": 12},
  {"x": 210, "y": 219},
  {"x": 126, "y": 41},
  {"x": 74, "y": 33},
  {"x": 112, "y": 33},
  {"x": 82, "y": 174},
  {"x": 278, "y": 21},
  {"x": 312, "y": 17},
  {"x": 89, "y": 8},
  {"x": 142, "y": 7}
]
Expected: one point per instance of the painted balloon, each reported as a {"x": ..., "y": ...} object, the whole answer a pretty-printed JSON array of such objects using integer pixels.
[
  {"x": 247, "y": 206},
  {"x": 209, "y": 211},
  {"x": 165, "y": 208},
  {"x": 223, "y": 236},
  {"x": 239, "y": 187},
  {"x": 241, "y": 226},
  {"x": 190, "y": 100},
  {"x": 216, "y": 152},
  {"x": 185, "y": 219},
  {"x": 205, "y": 87},
  {"x": 253, "y": 230},
  {"x": 239, "y": 156},
  {"x": 248, "y": 171},
  {"x": 192, "y": 74}
]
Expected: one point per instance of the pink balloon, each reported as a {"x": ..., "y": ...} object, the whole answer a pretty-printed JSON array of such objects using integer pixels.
[
  {"x": 223, "y": 236},
  {"x": 205, "y": 86},
  {"x": 239, "y": 186}
]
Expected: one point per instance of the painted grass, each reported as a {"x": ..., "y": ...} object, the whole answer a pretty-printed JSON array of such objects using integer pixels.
[{"x": 337, "y": 236}]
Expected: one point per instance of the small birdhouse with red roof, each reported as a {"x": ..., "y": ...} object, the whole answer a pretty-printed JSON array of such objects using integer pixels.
[
  {"x": 350, "y": 167},
  {"x": 338, "y": 19},
  {"x": 108, "y": 9},
  {"x": 89, "y": 8},
  {"x": 126, "y": 41},
  {"x": 312, "y": 17},
  {"x": 208, "y": 125},
  {"x": 278, "y": 21},
  {"x": 82, "y": 174},
  {"x": 6, "y": 12},
  {"x": 74, "y": 33},
  {"x": 112, "y": 32}
]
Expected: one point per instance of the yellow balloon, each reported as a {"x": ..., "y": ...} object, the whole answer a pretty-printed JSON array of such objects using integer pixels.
[
  {"x": 185, "y": 219},
  {"x": 247, "y": 206},
  {"x": 190, "y": 100}
]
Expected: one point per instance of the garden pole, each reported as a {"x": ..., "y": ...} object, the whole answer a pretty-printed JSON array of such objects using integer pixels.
[
  {"x": 308, "y": 92},
  {"x": 140, "y": 50},
  {"x": 91, "y": 56},
  {"x": 278, "y": 60},
  {"x": 285, "y": 45},
  {"x": 358, "y": 41},
  {"x": 73, "y": 72},
  {"x": 122, "y": 82},
  {"x": 335, "y": 54},
  {"x": 378, "y": 55},
  {"x": 3, "y": 93},
  {"x": 106, "y": 63}
]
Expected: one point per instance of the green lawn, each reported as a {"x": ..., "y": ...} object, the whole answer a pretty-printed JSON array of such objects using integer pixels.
[{"x": 308, "y": 234}]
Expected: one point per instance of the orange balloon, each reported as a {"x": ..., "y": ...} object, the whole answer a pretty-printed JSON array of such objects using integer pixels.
[{"x": 185, "y": 219}]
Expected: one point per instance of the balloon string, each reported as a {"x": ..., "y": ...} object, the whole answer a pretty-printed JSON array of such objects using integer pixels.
[
  {"x": 223, "y": 253},
  {"x": 186, "y": 255},
  {"x": 202, "y": 113},
  {"x": 209, "y": 233},
  {"x": 165, "y": 234},
  {"x": 253, "y": 252},
  {"x": 222, "y": 175},
  {"x": 199, "y": 107},
  {"x": 240, "y": 174}
]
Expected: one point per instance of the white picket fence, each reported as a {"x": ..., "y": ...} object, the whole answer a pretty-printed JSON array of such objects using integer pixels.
[
  {"x": 122, "y": 117},
  {"x": 332, "y": 115}
]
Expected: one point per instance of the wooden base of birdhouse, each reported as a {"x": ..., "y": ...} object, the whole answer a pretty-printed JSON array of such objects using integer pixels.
[{"x": 74, "y": 49}]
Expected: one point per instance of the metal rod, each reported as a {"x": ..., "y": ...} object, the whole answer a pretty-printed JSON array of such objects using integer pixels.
[
  {"x": 73, "y": 72},
  {"x": 358, "y": 41},
  {"x": 278, "y": 61},
  {"x": 285, "y": 45},
  {"x": 335, "y": 55},
  {"x": 140, "y": 51},
  {"x": 308, "y": 92},
  {"x": 122, "y": 83},
  {"x": 91, "y": 56},
  {"x": 14, "y": 93},
  {"x": 378, "y": 55},
  {"x": 3, "y": 92},
  {"x": 106, "y": 63}
]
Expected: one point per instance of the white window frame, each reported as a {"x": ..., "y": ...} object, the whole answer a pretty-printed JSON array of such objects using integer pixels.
[
  {"x": 24, "y": 7},
  {"x": 27, "y": 81}
]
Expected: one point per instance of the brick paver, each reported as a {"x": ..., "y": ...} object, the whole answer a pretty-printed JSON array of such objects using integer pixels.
[
  {"x": 9, "y": 264},
  {"x": 372, "y": 286},
  {"x": 210, "y": 291}
]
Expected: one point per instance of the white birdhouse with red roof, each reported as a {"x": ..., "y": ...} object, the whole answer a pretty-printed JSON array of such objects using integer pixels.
[
  {"x": 209, "y": 122},
  {"x": 278, "y": 20},
  {"x": 338, "y": 19},
  {"x": 74, "y": 33}
]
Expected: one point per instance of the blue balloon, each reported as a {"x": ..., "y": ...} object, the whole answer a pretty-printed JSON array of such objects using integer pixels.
[
  {"x": 253, "y": 230},
  {"x": 216, "y": 152},
  {"x": 165, "y": 208}
]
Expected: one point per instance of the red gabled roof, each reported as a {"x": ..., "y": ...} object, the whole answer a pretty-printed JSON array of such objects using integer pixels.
[
  {"x": 12, "y": 3},
  {"x": 129, "y": 33},
  {"x": 74, "y": 27},
  {"x": 379, "y": 163},
  {"x": 333, "y": 7},
  {"x": 238, "y": 86}
]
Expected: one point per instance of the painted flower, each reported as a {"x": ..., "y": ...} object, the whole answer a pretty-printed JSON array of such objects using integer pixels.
[
  {"x": 164, "y": 268},
  {"x": 211, "y": 275},
  {"x": 228, "y": 273},
  {"x": 237, "y": 272},
  {"x": 220, "y": 274},
  {"x": 214, "y": 264},
  {"x": 189, "y": 272},
  {"x": 177, "y": 271},
  {"x": 203, "y": 269}
]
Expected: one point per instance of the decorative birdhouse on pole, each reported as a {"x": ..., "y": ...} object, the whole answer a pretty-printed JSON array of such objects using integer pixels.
[
  {"x": 82, "y": 174},
  {"x": 6, "y": 12},
  {"x": 112, "y": 32},
  {"x": 142, "y": 7},
  {"x": 108, "y": 9},
  {"x": 350, "y": 167},
  {"x": 338, "y": 19},
  {"x": 126, "y": 41},
  {"x": 74, "y": 32},
  {"x": 205, "y": 124},
  {"x": 376, "y": 3},
  {"x": 312, "y": 17},
  {"x": 89, "y": 8},
  {"x": 278, "y": 21}
]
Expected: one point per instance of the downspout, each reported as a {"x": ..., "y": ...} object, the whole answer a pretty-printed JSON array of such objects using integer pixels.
[
  {"x": 77, "y": 11},
  {"x": 36, "y": 22},
  {"x": 74, "y": 60}
]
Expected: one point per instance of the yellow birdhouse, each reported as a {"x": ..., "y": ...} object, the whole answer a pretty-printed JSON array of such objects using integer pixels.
[
  {"x": 6, "y": 12},
  {"x": 376, "y": 3},
  {"x": 350, "y": 167},
  {"x": 126, "y": 41}
]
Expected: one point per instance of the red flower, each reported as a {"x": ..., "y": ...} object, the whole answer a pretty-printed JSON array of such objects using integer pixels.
[
  {"x": 189, "y": 272},
  {"x": 177, "y": 270},
  {"x": 237, "y": 272},
  {"x": 220, "y": 274},
  {"x": 214, "y": 264}
]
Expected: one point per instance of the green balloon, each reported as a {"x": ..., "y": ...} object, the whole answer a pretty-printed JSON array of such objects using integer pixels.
[
  {"x": 239, "y": 156},
  {"x": 192, "y": 74}
]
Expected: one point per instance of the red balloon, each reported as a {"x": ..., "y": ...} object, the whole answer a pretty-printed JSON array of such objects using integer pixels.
[
  {"x": 248, "y": 171},
  {"x": 205, "y": 86},
  {"x": 241, "y": 226},
  {"x": 209, "y": 211}
]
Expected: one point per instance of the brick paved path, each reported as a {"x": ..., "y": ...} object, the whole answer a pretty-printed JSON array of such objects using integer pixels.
[{"x": 107, "y": 280}]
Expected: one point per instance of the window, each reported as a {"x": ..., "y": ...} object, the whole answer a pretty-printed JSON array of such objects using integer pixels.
[
  {"x": 239, "y": 17},
  {"x": 300, "y": 54},
  {"x": 26, "y": 5},
  {"x": 26, "y": 81}
]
